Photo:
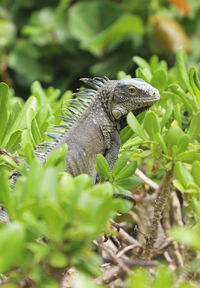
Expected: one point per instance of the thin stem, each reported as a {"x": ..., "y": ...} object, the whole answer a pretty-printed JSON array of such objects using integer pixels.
[{"x": 161, "y": 199}]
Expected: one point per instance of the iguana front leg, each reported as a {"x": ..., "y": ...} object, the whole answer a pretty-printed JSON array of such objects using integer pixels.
[{"x": 111, "y": 154}]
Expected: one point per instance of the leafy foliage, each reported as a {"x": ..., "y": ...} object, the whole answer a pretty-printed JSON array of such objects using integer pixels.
[
  {"x": 59, "y": 41},
  {"x": 48, "y": 205}
]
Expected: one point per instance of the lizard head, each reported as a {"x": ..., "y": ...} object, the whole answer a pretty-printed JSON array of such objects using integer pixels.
[{"x": 132, "y": 94}]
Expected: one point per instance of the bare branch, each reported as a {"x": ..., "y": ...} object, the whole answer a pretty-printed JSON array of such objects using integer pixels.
[
  {"x": 114, "y": 258},
  {"x": 146, "y": 180},
  {"x": 5, "y": 152},
  {"x": 124, "y": 196},
  {"x": 161, "y": 199},
  {"x": 133, "y": 262}
]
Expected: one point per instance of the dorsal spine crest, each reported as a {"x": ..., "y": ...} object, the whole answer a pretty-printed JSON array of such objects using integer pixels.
[{"x": 73, "y": 111}]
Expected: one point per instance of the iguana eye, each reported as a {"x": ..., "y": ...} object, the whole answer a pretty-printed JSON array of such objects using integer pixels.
[{"x": 131, "y": 90}]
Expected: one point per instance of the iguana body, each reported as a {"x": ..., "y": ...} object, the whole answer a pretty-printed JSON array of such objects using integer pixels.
[{"x": 94, "y": 120}]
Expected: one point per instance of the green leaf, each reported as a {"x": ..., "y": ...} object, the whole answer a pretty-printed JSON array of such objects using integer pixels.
[
  {"x": 142, "y": 63},
  {"x": 167, "y": 114},
  {"x": 40, "y": 251},
  {"x": 196, "y": 171},
  {"x": 182, "y": 174},
  {"x": 58, "y": 158},
  {"x": 196, "y": 206},
  {"x": 8, "y": 160},
  {"x": 119, "y": 164},
  {"x": 102, "y": 166},
  {"x": 36, "y": 131},
  {"x": 115, "y": 33},
  {"x": 84, "y": 281},
  {"x": 12, "y": 237},
  {"x": 144, "y": 73},
  {"x": 8, "y": 31},
  {"x": 136, "y": 127},
  {"x": 129, "y": 183},
  {"x": 124, "y": 206},
  {"x": 154, "y": 63},
  {"x": 184, "y": 97},
  {"x": 193, "y": 188},
  {"x": 49, "y": 206},
  {"x": 173, "y": 135},
  {"x": 151, "y": 124},
  {"x": 14, "y": 141},
  {"x": 194, "y": 128},
  {"x": 182, "y": 71},
  {"x": 138, "y": 279},
  {"x": 16, "y": 108},
  {"x": 136, "y": 141},
  {"x": 159, "y": 79},
  {"x": 126, "y": 171},
  {"x": 178, "y": 185},
  {"x": 36, "y": 171},
  {"x": 5, "y": 193},
  {"x": 103, "y": 190},
  {"x": 83, "y": 181},
  {"x": 27, "y": 146},
  {"x": 20, "y": 120},
  {"x": 66, "y": 181},
  {"x": 42, "y": 118},
  {"x": 83, "y": 27},
  {"x": 159, "y": 138},
  {"x": 58, "y": 259},
  {"x": 193, "y": 78},
  {"x": 24, "y": 59},
  {"x": 48, "y": 185},
  {"x": 177, "y": 114},
  {"x": 163, "y": 278},
  {"x": 187, "y": 236},
  {"x": 125, "y": 134},
  {"x": 182, "y": 143},
  {"x": 189, "y": 156},
  {"x": 38, "y": 92},
  {"x": 3, "y": 108}
]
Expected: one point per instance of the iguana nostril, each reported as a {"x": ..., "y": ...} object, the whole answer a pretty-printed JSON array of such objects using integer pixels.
[{"x": 154, "y": 93}]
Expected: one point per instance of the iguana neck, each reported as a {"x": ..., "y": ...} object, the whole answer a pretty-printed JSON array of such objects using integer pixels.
[{"x": 105, "y": 96}]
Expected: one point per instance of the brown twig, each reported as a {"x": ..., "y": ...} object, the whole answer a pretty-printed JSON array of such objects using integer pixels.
[
  {"x": 166, "y": 217},
  {"x": 126, "y": 238},
  {"x": 162, "y": 195},
  {"x": 146, "y": 180},
  {"x": 177, "y": 254},
  {"x": 176, "y": 209},
  {"x": 126, "y": 249},
  {"x": 109, "y": 275},
  {"x": 5, "y": 152},
  {"x": 114, "y": 258},
  {"x": 124, "y": 196},
  {"x": 133, "y": 262}
]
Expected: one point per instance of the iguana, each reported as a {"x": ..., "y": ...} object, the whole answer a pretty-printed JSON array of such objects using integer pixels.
[{"x": 94, "y": 119}]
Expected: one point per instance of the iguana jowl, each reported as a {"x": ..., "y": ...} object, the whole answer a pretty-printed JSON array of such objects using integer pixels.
[{"x": 94, "y": 120}]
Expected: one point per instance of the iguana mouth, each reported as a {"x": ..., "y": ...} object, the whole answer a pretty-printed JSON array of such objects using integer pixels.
[{"x": 141, "y": 100}]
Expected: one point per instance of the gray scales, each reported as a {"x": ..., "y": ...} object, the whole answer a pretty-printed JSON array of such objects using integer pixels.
[{"x": 94, "y": 119}]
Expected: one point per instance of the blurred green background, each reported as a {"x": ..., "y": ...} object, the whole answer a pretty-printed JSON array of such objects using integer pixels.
[{"x": 57, "y": 42}]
